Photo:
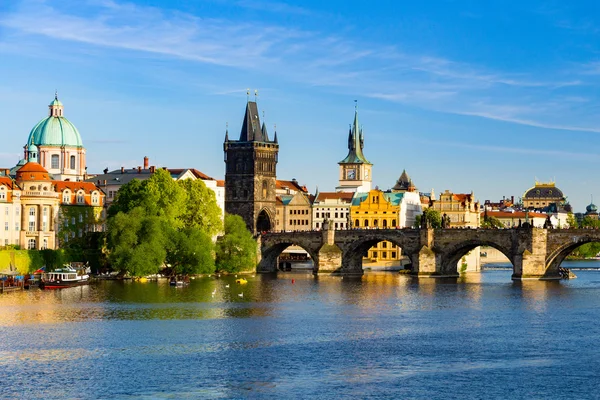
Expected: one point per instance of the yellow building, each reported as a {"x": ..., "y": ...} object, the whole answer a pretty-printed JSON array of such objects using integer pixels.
[
  {"x": 461, "y": 209},
  {"x": 378, "y": 210}
]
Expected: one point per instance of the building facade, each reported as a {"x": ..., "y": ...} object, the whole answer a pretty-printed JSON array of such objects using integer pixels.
[
  {"x": 541, "y": 195},
  {"x": 355, "y": 170},
  {"x": 293, "y": 212},
  {"x": 250, "y": 173},
  {"x": 333, "y": 207},
  {"x": 461, "y": 209}
]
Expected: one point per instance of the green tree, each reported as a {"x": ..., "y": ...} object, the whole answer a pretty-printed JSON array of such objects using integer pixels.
[
  {"x": 136, "y": 242},
  {"x": 190, "y": 251},
  {"x": 200, "y": 209},
  {"x": 434, "y": 218},
  {"x": 236, "y": 249},
  {"x": 589, "y": 222},
  {"x": 490, "y": 222},
  {"x": 571, "y": 221}
]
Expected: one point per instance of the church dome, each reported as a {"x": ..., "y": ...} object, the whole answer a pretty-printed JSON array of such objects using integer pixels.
[
  {"x": 591, "y": 208},
  {"x": 55, "y": 130}
]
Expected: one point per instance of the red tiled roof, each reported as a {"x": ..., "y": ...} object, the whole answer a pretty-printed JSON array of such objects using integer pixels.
[
  {"x": 220, "y": 183},
  {"x": 293, "y": 185},
  {"x": 334, "y": 195},
  {"x": 87, "y": 187},
  {"x": 6, "y": 181},
  {"x": 516, "y": 214},
  {"x": 32, "y": 167}
]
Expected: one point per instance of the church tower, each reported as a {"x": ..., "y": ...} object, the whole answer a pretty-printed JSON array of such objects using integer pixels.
[
  {"x": 250, "y": 173},
  {"x": 355, "y": 170}
]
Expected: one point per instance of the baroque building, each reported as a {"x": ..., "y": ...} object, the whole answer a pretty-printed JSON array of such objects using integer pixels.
[
  {"x": 333, "y": 207},
  {"x": 55, "y": 143},
  {"x": 542, "y": 195},
  {"x": 461, "y": 209},
  {"x": 250, "y": 173},
  {"x": 355, "y": 169}
]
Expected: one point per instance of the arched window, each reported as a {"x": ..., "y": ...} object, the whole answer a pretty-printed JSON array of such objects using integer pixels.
[
  {"x": 385, "y": 223},
  {"x": 54, "y": 161},
  {"x": 80, "y": 197},
  {"x": 357, "y": 223},
  {"x": 393, "y": 222},
  {"x": 66, "y": 197},
  {"x": 95, "y": 198},
  {"x": 375, "y": 222},
  {"x": 366, "y": 223},
  {"x": 72, "y": 162},
  {"x": 265, "y": 190}
]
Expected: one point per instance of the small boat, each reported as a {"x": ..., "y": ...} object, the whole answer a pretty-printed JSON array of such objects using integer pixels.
[
  {"x": 179, "y": 281},
  {"x": 65, "y": 277},
  {"x": 241, "y": 281}
]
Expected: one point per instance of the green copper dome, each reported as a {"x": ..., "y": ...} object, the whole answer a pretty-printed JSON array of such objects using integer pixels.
[{"x": 55, "y": 130}]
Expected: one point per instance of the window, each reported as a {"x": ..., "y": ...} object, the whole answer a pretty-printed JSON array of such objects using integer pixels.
[
  {"x": 80, "y": 217},
  {"x": 95, "y": 198},
  {"x": 31, "y": 244},
  {"x": 45, "y": 244},
  {"x": 72, "y": 162},
  {"x": 80, "y": 197},
  {"x": 336, "y": 215},
  {"x": 384, "y": 245},
  {"x": 32, "y": 211},
  {"x": 54, "y": 162},
  {"x": 384, "y": 254},
  {"x": 31, "y": 226},
  {"x": 366, "y": 223},
  {"x": 2, "y": 193},
  {"x": 393, "y": 222},
  {"x": 374, "y": 254},
  {"x": 376, "y": 222},
  {"x": 17, "y": 211},
  {"x": 66, "y": 197},
  {"x": 393, "y": 254},
  {"x": 16, "y": 226},
  {"x": 6, "y": 226},
  {"x": 6, "y": 211},
  {"x": 385, "y": 223},
  {"x": 357, "y": 223}
]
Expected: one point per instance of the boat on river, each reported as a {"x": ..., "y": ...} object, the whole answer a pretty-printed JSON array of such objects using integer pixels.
[
  {"x": 65, "y": 277},
  {"x": 179, "y": 281}
]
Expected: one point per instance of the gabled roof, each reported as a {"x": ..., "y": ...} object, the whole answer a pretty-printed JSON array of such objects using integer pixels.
[
  {"x": 393, "y": 198},
  {"x": 8, "y": 182},
  {"x": 292, "y": 185}
]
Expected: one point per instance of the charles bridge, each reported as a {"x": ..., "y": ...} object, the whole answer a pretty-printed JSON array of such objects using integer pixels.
[{"x": 535, "y": 253}]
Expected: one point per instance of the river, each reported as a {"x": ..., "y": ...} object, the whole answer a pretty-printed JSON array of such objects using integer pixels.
[{"x": 295, "y": 336}]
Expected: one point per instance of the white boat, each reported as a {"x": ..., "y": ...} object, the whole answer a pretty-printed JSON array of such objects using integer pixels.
[{"x": 65, "y": 277}]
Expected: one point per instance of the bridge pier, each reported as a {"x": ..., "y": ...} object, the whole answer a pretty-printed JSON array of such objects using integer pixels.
[{"x": 531, "y": 264}]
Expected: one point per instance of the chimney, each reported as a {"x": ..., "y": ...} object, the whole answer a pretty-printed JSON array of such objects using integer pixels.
[
  {"x": 152, "y": 169},
  {"x": 122, "y": 170},
  {"x": 104, "y": 182},
  {"x": 145, "y": 162},
  {"x": 139, "y": 170},
  {"x": 105, "y": 171}
]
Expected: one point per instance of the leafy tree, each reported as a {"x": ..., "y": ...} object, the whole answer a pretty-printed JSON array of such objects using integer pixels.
[
  {"x": 571, "y": 221},
  {"x": 434, "y": 218},
  {"x": 136, "y": 242},
  {"x": 190, "y": 251},
  {"x": 236, "y": 249},
  {"x": 490, "y": 222},
  {"x": 200, "y": 209},
  {"x": 589, "y": 222},
  {"x": 586, "y": 251},
  {"x": 129, "y": 196}
]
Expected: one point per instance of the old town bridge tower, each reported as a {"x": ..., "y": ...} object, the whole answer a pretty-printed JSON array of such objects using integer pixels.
[{"x": 250, "y": 173}]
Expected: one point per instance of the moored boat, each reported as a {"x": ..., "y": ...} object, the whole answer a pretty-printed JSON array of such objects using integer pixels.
[{"x": 65, "y": 277}]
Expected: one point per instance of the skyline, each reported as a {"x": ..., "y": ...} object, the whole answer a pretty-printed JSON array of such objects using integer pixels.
[{"x": 463, "y": 96}]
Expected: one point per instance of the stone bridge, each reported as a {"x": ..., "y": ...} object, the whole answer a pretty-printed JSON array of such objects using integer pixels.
[{"x": 535, "y": 253}]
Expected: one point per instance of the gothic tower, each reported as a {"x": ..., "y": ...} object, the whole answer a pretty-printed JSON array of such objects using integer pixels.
[
  {"x": 355, "y": 169},
  {"x": 250, "y": 173}
]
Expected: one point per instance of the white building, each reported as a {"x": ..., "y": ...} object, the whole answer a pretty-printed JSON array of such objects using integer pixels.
[{"x": 332, "y": 206}]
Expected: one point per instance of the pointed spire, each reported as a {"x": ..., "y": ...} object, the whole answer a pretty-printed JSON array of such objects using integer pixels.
[
  {"x": 227, "y": 131},
  {"x": 275, "y": 129},
  {"x": 55, "y": 94},
  {"x": 355, "y": 142}
]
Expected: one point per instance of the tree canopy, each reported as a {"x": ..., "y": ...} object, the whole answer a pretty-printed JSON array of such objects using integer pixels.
[
  {"x": 161, "y": 221},
  {"x": 491, "y": 222},
  {"x": 434, "y": 218},
  {"x": 236, "y": 249}
]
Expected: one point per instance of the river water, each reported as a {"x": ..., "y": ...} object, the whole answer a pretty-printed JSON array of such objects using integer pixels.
[{"x": 295, "y": 336}]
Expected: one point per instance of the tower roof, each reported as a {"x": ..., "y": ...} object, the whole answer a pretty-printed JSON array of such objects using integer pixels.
[
  {"x": 55, "y": 130},
  {"x": 252, "y": 131},
  {"x": 355, "y": 144},
  {"x": 403, "y": 183}
]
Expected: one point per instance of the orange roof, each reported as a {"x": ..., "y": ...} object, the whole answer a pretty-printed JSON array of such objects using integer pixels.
[
  {"x": 334, "y": 196},
  {"x": 293, "y": 185},
  {"x": 32, "y": 167},
  {"x": 87, "y": 187},
  {"x": 462, "y": 197},
  {"x": 6, "y": 181},
  {"x": 220, "y": 183}
]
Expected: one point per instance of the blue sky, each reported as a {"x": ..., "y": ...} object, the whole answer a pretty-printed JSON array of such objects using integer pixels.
[{"x": 482, "y": 96}]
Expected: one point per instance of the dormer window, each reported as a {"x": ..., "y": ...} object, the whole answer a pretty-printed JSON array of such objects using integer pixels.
[
  {"x": 95, "y": 198},
  {"x": 66, "y": 198},
  {"x": 2, "y": 193},
  {"x": 80, "y": 197}
]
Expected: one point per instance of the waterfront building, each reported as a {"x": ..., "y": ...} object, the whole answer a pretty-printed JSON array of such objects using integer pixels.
[
  {"x": 512, "y": 219},
  {"x": 250, "y": 173},
  {"x": 36, "y": 208},
  {"x": 384, "y": 210},
  {"x": 293, "y": 212},
  {"x": 461, "y": 209},
  {"x": 542, "y": 195},
  {"x": 591, "y": 211},
  {"x": 334, "y": 207},
  {"x": 55, "y": 143},
  {"x": 355, "y": 170}
]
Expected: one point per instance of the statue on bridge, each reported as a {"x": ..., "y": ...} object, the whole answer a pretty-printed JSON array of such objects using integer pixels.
[{"x": 548, "y": 223}]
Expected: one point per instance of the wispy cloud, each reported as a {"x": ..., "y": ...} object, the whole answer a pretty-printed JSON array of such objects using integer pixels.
[{"x": 380, "y": 71}]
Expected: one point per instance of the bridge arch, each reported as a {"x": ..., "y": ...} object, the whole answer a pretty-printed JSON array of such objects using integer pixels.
[
  {"x": 272, "y": 249},
  {"x": 558, "y": 255},
  {"x": 354, "y": 251},
  {"x": 453, "y": 254}
]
